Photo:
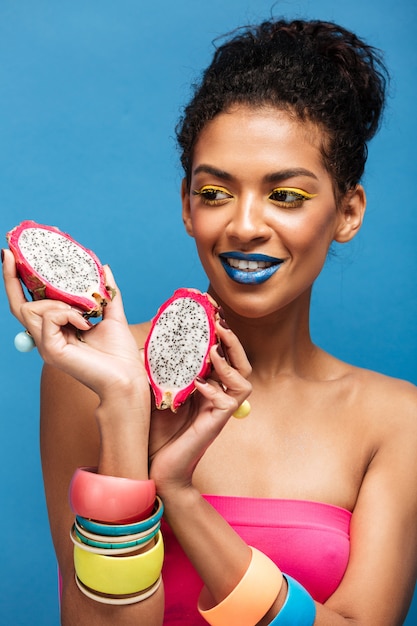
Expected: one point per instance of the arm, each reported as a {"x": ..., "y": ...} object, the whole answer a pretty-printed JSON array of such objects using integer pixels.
[
  {"x": 70, "y": 438},
  {"x": 379, "y": 581},
  {"x": 378, "y": 585},
  {"x": 95, "y": 411}
]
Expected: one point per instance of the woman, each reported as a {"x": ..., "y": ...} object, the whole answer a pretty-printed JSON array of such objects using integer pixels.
[{"x": 321, "y": 476}]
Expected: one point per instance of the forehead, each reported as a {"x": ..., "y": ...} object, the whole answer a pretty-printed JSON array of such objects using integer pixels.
[{"x": 245, "y": 138}]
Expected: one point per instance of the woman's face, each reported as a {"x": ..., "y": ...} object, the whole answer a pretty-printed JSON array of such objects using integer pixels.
[{"x": 261, "y": 208}]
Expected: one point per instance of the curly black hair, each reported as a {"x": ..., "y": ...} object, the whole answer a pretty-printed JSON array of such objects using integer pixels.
[{"x": 317, "y": 71}]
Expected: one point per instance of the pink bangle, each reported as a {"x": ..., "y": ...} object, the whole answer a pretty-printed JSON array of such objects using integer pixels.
[
  {"x": 250, "y": 599},
  {"x": 110, "y": 498}
]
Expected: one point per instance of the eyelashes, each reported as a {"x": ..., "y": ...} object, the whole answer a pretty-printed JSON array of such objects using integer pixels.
[
  {"x": 213, "y": 196},
  {"x": 290, "y": 196},
  {"x": 286, "y": 197}
]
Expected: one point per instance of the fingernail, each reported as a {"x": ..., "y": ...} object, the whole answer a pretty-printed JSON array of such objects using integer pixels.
[
  {"x": 221, "y": 313},
  {"x": 200, "y": 379},
  {"x": 224, "y": 324},
  {"x": 220, "y": 351}
]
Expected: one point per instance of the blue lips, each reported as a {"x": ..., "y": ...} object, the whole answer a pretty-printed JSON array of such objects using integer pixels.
[{"x": 250, "y": 277}]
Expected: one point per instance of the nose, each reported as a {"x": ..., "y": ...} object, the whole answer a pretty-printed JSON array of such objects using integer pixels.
[{"x": 247, "y": 222}]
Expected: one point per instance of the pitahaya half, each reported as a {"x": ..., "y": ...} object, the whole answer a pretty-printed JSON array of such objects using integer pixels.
[
  {"x": 53, "y": 265},
  {"x": 178, "y": 345}
]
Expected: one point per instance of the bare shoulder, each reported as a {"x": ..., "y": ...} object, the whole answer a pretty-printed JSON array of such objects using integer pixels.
[
  {"x": 387, "y": 394},
  {"x": 389, "y": 407}
]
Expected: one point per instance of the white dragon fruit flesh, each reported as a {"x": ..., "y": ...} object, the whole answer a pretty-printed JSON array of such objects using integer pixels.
[
  {"x": 51, "y": 264},
  {"x": 178, "y": 345}
]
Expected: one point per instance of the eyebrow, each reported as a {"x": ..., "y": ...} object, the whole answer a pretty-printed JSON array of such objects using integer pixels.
[
  {"x": 273, "y": 177},
  {"x": 214, "y": 171},
  {"x": 289, "y": 173}
]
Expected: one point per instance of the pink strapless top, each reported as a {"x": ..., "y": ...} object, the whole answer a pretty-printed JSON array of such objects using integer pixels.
[{"x": 307, "y": 540}]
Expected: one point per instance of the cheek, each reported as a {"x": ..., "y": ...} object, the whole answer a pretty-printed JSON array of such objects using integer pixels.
[
  {"x": 309, "y": 231},
  {"x": 205, "y": 226}
]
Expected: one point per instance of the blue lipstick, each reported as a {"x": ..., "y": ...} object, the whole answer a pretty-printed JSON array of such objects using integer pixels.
[{"x": 249, "y": 269}]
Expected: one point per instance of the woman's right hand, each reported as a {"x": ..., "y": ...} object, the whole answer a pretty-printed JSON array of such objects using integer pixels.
[{"x": 103, "y": 356}]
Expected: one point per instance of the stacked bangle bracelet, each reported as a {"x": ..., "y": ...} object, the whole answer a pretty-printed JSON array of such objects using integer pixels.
[
  {"x": 118, "y": 545},
  {"x": 110, "y": 498},
  {"x": 250, "y": 599}
]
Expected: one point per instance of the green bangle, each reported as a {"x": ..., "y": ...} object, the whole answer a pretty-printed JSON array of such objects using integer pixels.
[
  {"x": 119, "y": 575},
  {"x": 110, "y": 549},
  {"x": 114, "y": 530},
  {"x": 115, "y": 541}
]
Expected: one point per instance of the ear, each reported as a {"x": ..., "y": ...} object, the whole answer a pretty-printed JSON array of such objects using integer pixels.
[
  {"x": 351, "y": 211},
  {"x": 186, "y": 208}
]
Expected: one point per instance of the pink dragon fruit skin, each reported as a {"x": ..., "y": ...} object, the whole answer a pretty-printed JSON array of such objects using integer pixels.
[
  {"x": 51, "y": 264},
  {"x": 178, "y": 345}
]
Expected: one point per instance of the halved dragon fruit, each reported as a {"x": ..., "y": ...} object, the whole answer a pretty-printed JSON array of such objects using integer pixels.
[
  {"x": 53, "y": 265},
  {"x": 178, "y": 345}
]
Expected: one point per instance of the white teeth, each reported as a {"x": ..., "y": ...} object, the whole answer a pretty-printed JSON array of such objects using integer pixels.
[{"x": 252, "y": 266}]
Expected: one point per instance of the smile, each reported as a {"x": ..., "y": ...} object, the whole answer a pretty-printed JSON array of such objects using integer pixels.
[{"x": 249, "y": 269}]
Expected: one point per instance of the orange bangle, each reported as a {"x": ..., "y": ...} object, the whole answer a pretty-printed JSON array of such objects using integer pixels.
[
  {"x": 110, "y": 499},
  {"x": 250, "y": 599}
]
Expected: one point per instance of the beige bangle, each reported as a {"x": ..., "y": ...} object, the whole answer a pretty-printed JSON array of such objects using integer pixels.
[
  {"x": 250, "y": 599},
  {"x": 118, "y": 600}
]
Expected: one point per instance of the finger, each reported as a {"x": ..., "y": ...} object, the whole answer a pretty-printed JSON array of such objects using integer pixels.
[
  {"x": 229, "y": 390},
  {"x": 234, "y": 352},
  {"x": 45, "y": 321},
  {"x": 56, "y": 318},
  {"x": 114, "y": 309},
  {"x": 230, "y": 378},
  {"x": 222, "y": 403},
  {"x": 12, "y": 284}
]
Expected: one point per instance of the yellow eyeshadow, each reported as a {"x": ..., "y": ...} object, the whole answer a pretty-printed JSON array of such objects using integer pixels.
[
  {"x": 210, "y": 188},
  {"x": 295, "y": 190}
]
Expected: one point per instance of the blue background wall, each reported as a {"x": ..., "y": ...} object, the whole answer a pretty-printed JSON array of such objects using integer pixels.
[{"x": 89, "y": 96}]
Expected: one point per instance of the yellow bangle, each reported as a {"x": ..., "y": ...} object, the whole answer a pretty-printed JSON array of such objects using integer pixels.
[
  {"x": 119, "y": 575},
  {"x": 250, "y": 599}
]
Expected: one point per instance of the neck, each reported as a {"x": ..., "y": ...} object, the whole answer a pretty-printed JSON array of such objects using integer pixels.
[{"x": 279, "y": 343}]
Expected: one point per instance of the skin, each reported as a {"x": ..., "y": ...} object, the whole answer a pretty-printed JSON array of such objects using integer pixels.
[{"x": 328, "y": 431}]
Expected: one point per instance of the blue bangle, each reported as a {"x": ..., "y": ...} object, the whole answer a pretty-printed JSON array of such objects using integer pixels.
[
  {"x": 298, "y": 609},
  {"x": 114, "y": 530},
  {"x": 118, "y": 545}
]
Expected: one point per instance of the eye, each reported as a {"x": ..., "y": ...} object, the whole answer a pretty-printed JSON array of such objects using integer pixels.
[
  {"x": 212, "y": 195},
  {"x": 290, "y": 196}
]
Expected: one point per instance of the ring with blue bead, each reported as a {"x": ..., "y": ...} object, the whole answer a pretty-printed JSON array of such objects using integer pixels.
[{"x": 24, "y": 342}]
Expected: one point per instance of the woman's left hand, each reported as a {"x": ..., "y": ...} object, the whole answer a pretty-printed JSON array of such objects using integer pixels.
[{"x": 212, "y": 406}]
